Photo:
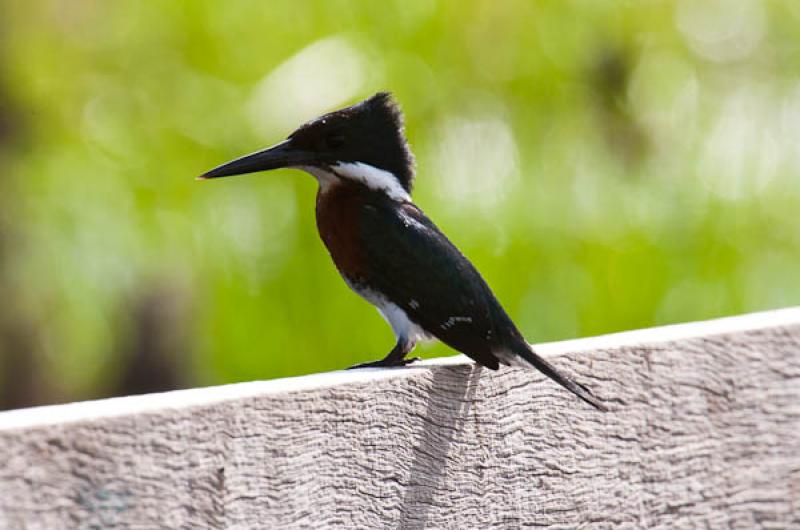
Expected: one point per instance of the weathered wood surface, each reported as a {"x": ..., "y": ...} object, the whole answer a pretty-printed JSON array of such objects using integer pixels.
[{"x": 704, "y": 433}]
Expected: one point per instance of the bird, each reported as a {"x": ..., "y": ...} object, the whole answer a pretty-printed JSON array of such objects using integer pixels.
[{"x": 384, "y": 246}]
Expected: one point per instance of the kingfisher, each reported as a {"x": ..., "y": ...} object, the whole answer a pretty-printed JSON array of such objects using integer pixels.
[{"x": 385, "y": 247}]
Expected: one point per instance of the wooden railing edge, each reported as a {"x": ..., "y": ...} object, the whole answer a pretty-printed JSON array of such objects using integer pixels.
[{"x": 119, "y": 406}]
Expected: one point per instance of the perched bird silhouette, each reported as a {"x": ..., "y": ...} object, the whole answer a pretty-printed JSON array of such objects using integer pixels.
[{"x": 386, "y": 249}]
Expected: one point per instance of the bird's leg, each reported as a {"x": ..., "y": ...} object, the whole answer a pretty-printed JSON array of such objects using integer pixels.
[{"x": 396, "y": 357}]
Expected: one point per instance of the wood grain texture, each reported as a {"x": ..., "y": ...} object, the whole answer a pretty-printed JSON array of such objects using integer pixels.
[{"x": 704, "y": 432}]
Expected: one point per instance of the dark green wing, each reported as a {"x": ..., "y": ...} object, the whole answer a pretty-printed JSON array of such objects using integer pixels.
[{"x": 417, "y": 268}]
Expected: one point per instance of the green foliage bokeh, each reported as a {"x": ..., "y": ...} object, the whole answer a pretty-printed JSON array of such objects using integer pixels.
[{"x": 606, "y": 165}]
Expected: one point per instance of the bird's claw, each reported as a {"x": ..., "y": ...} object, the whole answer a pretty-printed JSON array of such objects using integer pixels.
[{"x": 386, "y": 363}]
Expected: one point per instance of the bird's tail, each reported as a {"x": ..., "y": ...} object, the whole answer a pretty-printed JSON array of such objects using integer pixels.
[{"x": 525, "y": 352}]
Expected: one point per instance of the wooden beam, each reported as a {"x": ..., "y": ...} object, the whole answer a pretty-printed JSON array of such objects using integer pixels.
[{"x": 704, "y": 432}]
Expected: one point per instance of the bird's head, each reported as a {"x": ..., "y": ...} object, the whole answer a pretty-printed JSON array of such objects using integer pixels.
[{"x": 364, "y": 143}]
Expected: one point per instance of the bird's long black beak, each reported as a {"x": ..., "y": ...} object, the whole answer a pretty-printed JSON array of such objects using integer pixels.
[{"x": 275, "y": 157}]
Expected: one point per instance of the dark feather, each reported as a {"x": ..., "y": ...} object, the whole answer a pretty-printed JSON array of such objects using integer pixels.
[
  {"x": 417, "y": 268},
  {"x": 414, "y": 265},
  {"x": 371, "y": 132}
]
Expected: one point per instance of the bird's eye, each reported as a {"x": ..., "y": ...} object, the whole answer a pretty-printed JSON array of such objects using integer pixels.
[{"x": 334, "y": 141}]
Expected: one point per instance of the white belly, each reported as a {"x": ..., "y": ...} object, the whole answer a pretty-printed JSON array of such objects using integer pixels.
[{"x": 393, "y": 314}]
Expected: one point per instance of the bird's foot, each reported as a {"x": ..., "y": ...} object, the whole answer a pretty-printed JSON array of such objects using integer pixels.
[{"x": 386, "y": 363}]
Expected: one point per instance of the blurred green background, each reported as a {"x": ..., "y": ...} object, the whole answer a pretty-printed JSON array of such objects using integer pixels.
[{"x": 606, "y": 165}]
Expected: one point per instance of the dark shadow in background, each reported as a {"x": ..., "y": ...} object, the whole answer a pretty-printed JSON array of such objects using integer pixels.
[
  {"x": 452, "y": 390},
  {"x": 155, "y": 351},
  {"x": 22, "y": 382}
]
